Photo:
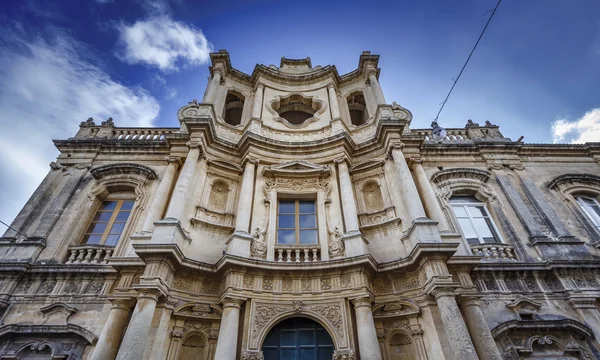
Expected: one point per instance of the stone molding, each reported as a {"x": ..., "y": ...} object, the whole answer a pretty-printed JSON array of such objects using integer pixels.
[
  {"x": 568, "y": 181},
  {"x": 297, "y": 168},
  {"x": 461, "y": 173},
  {"x": 104, "y": 171}
]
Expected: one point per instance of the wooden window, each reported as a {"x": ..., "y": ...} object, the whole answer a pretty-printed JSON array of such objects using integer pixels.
[
  {"x": 474, "y": 220},
  {"x": 591, "y": 208},
  {"x": 108, "y": 223},
  {"x": 297, "y": 222}
]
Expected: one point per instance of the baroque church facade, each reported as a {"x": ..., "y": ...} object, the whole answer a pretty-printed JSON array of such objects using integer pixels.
[{"x": 295, "y": 214}]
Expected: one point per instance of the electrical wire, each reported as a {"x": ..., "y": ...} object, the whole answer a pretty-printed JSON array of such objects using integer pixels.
[{"x": 466, "y": 62}]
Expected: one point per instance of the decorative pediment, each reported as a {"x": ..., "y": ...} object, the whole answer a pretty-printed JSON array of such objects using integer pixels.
[
  {"x": 461, "y": 173},
  {"x": 226, "y": 165},
  {"x": 103, "y": 171},
  {"x": 367, "y": 165},
  {"x": 567, "y": 181},
  {"x": 524, "y": 306},
  {"x": 297, "y": 169},
  {"x": 395, "y": 308},
  {"x": 57, "y": 313},
  {"x": 198, "y": 310}
]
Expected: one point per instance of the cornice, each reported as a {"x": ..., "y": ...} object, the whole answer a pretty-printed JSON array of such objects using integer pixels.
[{"x": 120, "y": 169}]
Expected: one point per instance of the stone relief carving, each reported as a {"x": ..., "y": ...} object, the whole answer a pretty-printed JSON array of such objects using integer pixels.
[
  {"x": 333, "y": 314},
  {"x": 267, "y": 284},
  {"x": 263, "y": 314},
  {"x": 336, "y": 245},
  {"x": 343, "y": 355},
  {"x": 325, "y": 284},
  {"x": 252, "y": 355},
  {"x": 345, "y": 281}
]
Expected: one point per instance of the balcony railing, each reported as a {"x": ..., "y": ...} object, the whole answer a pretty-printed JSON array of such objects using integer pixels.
[
  {"x": 89, "y": 254},
  {"x": 297, "y": 253},
  {"x": 494, "y": 252}
]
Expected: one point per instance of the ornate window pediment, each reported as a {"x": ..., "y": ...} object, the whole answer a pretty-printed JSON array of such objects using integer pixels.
[
  {"x": 575, "y": 182},
  {"x": 296, "y": 110},
  {"x": 297, "y": 168}
]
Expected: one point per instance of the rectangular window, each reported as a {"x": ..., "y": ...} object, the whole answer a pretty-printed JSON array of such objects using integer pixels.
[
  {"x": 108, "y": 223},
  {"x": 297, "y": 222},
  {"x": 474, "y": 220}
]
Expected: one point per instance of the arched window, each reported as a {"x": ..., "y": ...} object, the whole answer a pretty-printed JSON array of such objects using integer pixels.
[
  {"x": 357, "y": 107},
  {"x": 233, "y": 109},
  {"x": 591, "y": 208},
  {"x": 476, "y": 224},
  {"x": 106, "y": 227}
]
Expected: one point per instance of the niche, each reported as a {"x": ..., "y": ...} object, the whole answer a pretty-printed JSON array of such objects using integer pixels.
[
  {"x": 357, "y": 107},
  {"x": 219, "y": 194},
  {"x": 193, "y": 346},
  {"x": 372, "y": 196},
  {"x": 234, "y": 107}
]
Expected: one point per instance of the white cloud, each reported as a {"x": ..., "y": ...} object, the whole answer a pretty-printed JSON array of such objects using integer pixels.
[
  {"x": 47, "y": 87},
  {"x": 584, "y": 129},
  {"x": 164, "y": 43},
  {"x": 171, "y": 93}
]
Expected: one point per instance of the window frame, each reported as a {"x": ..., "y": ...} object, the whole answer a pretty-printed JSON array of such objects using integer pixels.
[
  {"x": 475, "y": 203},
  {"x": 297, "y": 215},
  {"x": 592, "y": 216},
  {"x": 120, "y": 198}
]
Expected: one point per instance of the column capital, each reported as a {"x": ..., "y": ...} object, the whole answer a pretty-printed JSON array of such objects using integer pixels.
[
  {"x": 122, "y": 303},
  {"x": 395, "y": 146},
  {"x": 362, "y": 301},
  {"x": 466, "y": 301},
  {"x": 330, "y": 85},
  {"x": 173, "y": 160},
  {"x": 250, "y": 159},
  {"x": 341, "y": 159},
  {"x": 231, "y": 303},
  {"x": 193, "y": 145},
  {"x": 440, "y": 292},
  {"x": 259, "y": 85},
  {"x": 151, "y": 294},
  {"x": 372, "y": 72},
  {"x": 414, "y": 161}
]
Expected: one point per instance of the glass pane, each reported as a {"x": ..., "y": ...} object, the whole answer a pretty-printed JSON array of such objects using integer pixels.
[
  {"x": 587, "y": 201},
  {"x": 307, "y": 207},
  {"x": 122, "y": 216},
  {"x": 483, "y": 228},
  {"x": 459, "y": 211},
  {"x": 117, "y": 228},
  {"x": 288, "y": 355},
  {"x": 467, "y": 229},
  {"x": 287, "y": 207},
  {"x": 112, "y": 240},
  {"x": 127, "y": 205},
  {"x": 287, "y": 221},
  {"x": 102, "y": 216},
  {"x": 307, "y": 337},
  {"x": 596, "y": 210},
  {"x": 108, "y": 205},
  {"x": 288, "y": 338},
  {"x": 97, "y": 228},
  {"x": 286, "y": 237},
  {"x": 92, "y": 239},
  {"x": 323, "y": 338},
  {"x": 307, "y": 354},
  {"x": 308, "y": 221},
  {"x": 308, "y": 236},
  {"x": 477, "y": 211}
]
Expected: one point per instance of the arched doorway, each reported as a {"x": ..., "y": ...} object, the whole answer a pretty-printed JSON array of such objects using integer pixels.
[{"x": 298, "y": 339}]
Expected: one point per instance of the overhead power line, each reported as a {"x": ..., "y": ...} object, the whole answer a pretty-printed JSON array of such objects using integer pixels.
[{"x": 466, "y": 62}]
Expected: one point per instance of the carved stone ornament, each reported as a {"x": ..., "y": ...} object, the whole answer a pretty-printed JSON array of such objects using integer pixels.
[
  {"x": 298, "y": 168},
  {"x": 252, "y": 355},
  {"x": 524, "y": 306},
  {"x": 343, "y": 354},
  {"x": 259, "y": 245},
  {"x": 336, "y": 244},
  {"x": 123, "y": 169},
  {"x": 461, "y": 173}
]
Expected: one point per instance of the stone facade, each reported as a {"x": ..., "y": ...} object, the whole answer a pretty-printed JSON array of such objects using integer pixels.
[{"x": 204, "y": 265}]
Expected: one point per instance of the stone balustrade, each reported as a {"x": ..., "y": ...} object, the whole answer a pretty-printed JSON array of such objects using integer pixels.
[
  {"x": 452, "y": 135},
  {"x": 494, "y": 252},
  {"x": 297, "y": 253},
  {"x": 89, "y": 254},
  {"x": 141, "y": 134}
]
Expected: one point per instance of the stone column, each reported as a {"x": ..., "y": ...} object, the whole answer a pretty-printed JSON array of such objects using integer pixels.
[
  {"x": 368, "y": 344},
  {"x": 244, "y": 208},
  {"x": 258, "y": 99},
  {"x": 408, "y": 189},
  {"x": 110, "y": 337},
  {"x": 179, "y": 196},
  {"x": 228, "y": 332},
  {"x": 348, "y": 201},
  {"x": 213, "y": 87},
  {"x": 136, "y": 336},
  {"x": 454, "y": 324},
  {"x": 434, "y": 210},
  {"x": 333, "y": 102},
  {"x": 159, "y": 202},
  {"x": 379, "y": 98},
  {"x": 480, "y": 332}
]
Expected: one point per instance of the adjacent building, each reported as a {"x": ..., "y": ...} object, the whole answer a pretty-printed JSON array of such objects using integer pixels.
[{"x": 295, "y": 214}]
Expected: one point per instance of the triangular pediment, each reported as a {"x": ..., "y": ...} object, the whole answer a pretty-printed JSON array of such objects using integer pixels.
[{"x": 297, "y": 168}]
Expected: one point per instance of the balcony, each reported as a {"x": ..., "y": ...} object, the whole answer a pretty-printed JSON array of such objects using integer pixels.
[
  {"x": 494, "y": 252},
  {"x": 297, "y": 253},
  {"x": 89, "y": 254}
]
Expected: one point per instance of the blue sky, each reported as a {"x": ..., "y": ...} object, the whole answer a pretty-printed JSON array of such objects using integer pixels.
[{"x": 536, "y": 72}]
